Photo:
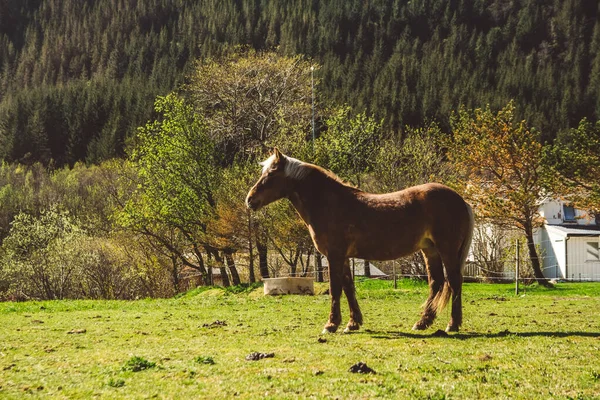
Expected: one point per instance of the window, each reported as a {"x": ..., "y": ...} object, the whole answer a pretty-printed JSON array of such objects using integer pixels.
[
  {"x": 591, "y": 251},
  {"x": 569, "y": 213}
]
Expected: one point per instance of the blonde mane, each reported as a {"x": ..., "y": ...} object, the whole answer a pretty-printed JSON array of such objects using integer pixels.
[
  {"x": 298, "y": 170},
  {"x": 294, "y": 168}
]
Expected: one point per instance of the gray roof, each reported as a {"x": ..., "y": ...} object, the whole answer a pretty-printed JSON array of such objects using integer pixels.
[
  {"x": 576, "y": 230},
  {"x": 359, "y": 268}
]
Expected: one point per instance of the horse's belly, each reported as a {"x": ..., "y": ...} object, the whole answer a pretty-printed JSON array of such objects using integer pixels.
[{"x": 383, "y": 247}]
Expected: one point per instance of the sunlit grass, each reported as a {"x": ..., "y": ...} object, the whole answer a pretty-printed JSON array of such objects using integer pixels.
[{"x": 541, "y": 344}]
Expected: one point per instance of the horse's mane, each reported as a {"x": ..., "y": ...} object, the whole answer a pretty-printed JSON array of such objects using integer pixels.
[
  {"x": 300, "y": 170},
  {"x": 331, "y": 175}
]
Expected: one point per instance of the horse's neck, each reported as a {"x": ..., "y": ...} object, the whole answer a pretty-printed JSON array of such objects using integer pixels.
[{"x": 310, "y": 197}]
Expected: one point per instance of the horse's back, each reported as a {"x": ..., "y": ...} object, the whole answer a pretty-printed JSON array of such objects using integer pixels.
[
  {"x": 431, "y": 198},
  {"x": 392, "y": 225}
]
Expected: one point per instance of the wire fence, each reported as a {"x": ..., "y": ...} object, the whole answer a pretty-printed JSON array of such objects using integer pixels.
[{"x": 472, "y": 272}]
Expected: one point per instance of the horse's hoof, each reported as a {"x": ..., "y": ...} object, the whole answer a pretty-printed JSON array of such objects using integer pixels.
[
  {"x": 351, "y": 328},
  {"x": 329, "y": 329},
  {"x": 420, "y": 326},
  {"x": 451, "y": 328}
]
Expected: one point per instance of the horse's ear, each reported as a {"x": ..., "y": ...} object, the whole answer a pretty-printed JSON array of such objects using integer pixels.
[{"x": 277, "y": 154}]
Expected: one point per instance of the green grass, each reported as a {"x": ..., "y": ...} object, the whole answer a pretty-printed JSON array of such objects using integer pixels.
[{"x": 544, "y": 343}]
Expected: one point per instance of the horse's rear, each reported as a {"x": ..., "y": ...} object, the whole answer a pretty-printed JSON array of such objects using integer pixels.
[{"x": 432, "y": 218}]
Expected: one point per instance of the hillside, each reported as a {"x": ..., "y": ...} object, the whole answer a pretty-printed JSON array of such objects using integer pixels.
[{"x": 77, "y": 77}]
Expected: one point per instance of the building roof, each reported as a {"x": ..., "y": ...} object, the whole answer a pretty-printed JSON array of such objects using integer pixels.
[
  {"x": 359, "y": 268},
  {"x": 576, "y": 230}
]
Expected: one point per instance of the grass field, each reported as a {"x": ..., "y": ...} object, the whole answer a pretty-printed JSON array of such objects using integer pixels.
[{"x": 542, "y": 344}]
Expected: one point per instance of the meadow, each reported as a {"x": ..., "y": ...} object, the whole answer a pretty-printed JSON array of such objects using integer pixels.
[{"x": 540, "y": 344}]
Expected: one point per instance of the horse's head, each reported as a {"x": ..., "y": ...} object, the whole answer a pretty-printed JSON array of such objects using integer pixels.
[{"x": 273, "y": 184}]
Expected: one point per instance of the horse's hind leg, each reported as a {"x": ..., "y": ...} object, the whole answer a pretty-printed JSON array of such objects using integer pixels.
[
  {"x": 335, "y": 292},
  {"x": 356, "y": 318},
  {"x": 455, "y": 280},
  {"x": 435, "y": 274}
]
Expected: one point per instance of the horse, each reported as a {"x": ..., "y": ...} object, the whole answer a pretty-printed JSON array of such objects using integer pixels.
[{"x": 346, "y": 222}]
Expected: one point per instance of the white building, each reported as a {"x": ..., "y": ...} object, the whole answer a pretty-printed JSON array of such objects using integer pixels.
[{"x": 569, "y": 242}]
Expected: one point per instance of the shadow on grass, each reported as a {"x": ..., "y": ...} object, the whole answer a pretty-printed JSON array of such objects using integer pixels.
[{"x": 476, "y": 335}]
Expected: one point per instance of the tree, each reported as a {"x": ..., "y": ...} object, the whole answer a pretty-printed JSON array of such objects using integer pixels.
[
  {"x": 250, "y": 101},
  {"x": 501, "y": 170},
  {"x": 576, "y": 158},
  {"x": 247, "y": 98},
  {"x": 349, "y": 145},
  {"x": 231, "y": 229},
  {"x": 176, "y": 179},
  {"x": 287, "y": 233},
  {"x": 42, "y": 256},
  {"x": 416, "y": 158}
]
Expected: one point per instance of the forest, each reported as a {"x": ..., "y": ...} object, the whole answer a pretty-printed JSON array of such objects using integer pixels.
[
  {"x": 78, "y": 77},
  {"x": 130, "y": 131}
]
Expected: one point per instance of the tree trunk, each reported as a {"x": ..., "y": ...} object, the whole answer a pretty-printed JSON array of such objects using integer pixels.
[
  {"x": 235, "y": 277},
  {"x": 319, "y": 267},
  {"x": 294, "y": 263},
  {"x": 224, "y": 276},
  {"x": 206, "y": 273},
  {"x": 367, "y": 268},
  {"x": 262, "y": 258},
  {"x": 533, "y": 256},
  {"x": 306, "y": 267},
  {"x": 222, "y": 269},
  {"x": 175, "y": 273}
]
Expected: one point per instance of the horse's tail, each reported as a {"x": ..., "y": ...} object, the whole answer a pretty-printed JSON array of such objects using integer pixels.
[
  {"x": 443, "y": 296},
  {"x": 466, "y": 244}
]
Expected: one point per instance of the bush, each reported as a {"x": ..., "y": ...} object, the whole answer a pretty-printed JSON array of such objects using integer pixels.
[
  {"x": 136, "y": 364},
  {"x": 42, "y": 257}
]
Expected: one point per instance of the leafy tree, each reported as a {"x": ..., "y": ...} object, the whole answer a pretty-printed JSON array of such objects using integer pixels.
[
  {"x": 248, "y": 97},
  {"x": 176, "y": 178},
  {"x": 90, "y": 76},
  {"x": 350, "y": 144},
  {"x": 250, "y": 101},
  {"x": 416, "y": 158},
  {"x": 234, "y": 227},
  {"x": 576, "y": 158},
  {"x": 42, "y": 257},
  {"x": 502, "y": 172}
]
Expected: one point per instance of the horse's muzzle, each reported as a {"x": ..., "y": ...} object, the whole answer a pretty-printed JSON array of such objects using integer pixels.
[{"x": 252, "y": 204}]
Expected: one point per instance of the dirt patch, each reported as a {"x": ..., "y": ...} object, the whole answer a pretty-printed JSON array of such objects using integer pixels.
[
  {"x": 216, "y": 324},
  {"x": 361, "y": 368},
  {"x": 259, "y": 356}
]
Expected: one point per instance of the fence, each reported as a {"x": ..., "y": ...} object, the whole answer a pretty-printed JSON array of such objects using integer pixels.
[{"x": 397, "y": 269}]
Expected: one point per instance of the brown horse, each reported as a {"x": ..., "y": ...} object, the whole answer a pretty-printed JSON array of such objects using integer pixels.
[{"x": 346, "y": 222}]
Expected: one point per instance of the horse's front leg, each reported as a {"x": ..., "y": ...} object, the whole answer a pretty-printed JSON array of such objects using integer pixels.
[
  {"x": 356, "y": 318},
  {"x": 335, "y": 292}
]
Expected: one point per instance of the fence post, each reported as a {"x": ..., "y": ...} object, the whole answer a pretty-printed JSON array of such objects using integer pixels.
[
  {"x": 517, "y": 270},
  {"x": 394, "y": 272}
]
